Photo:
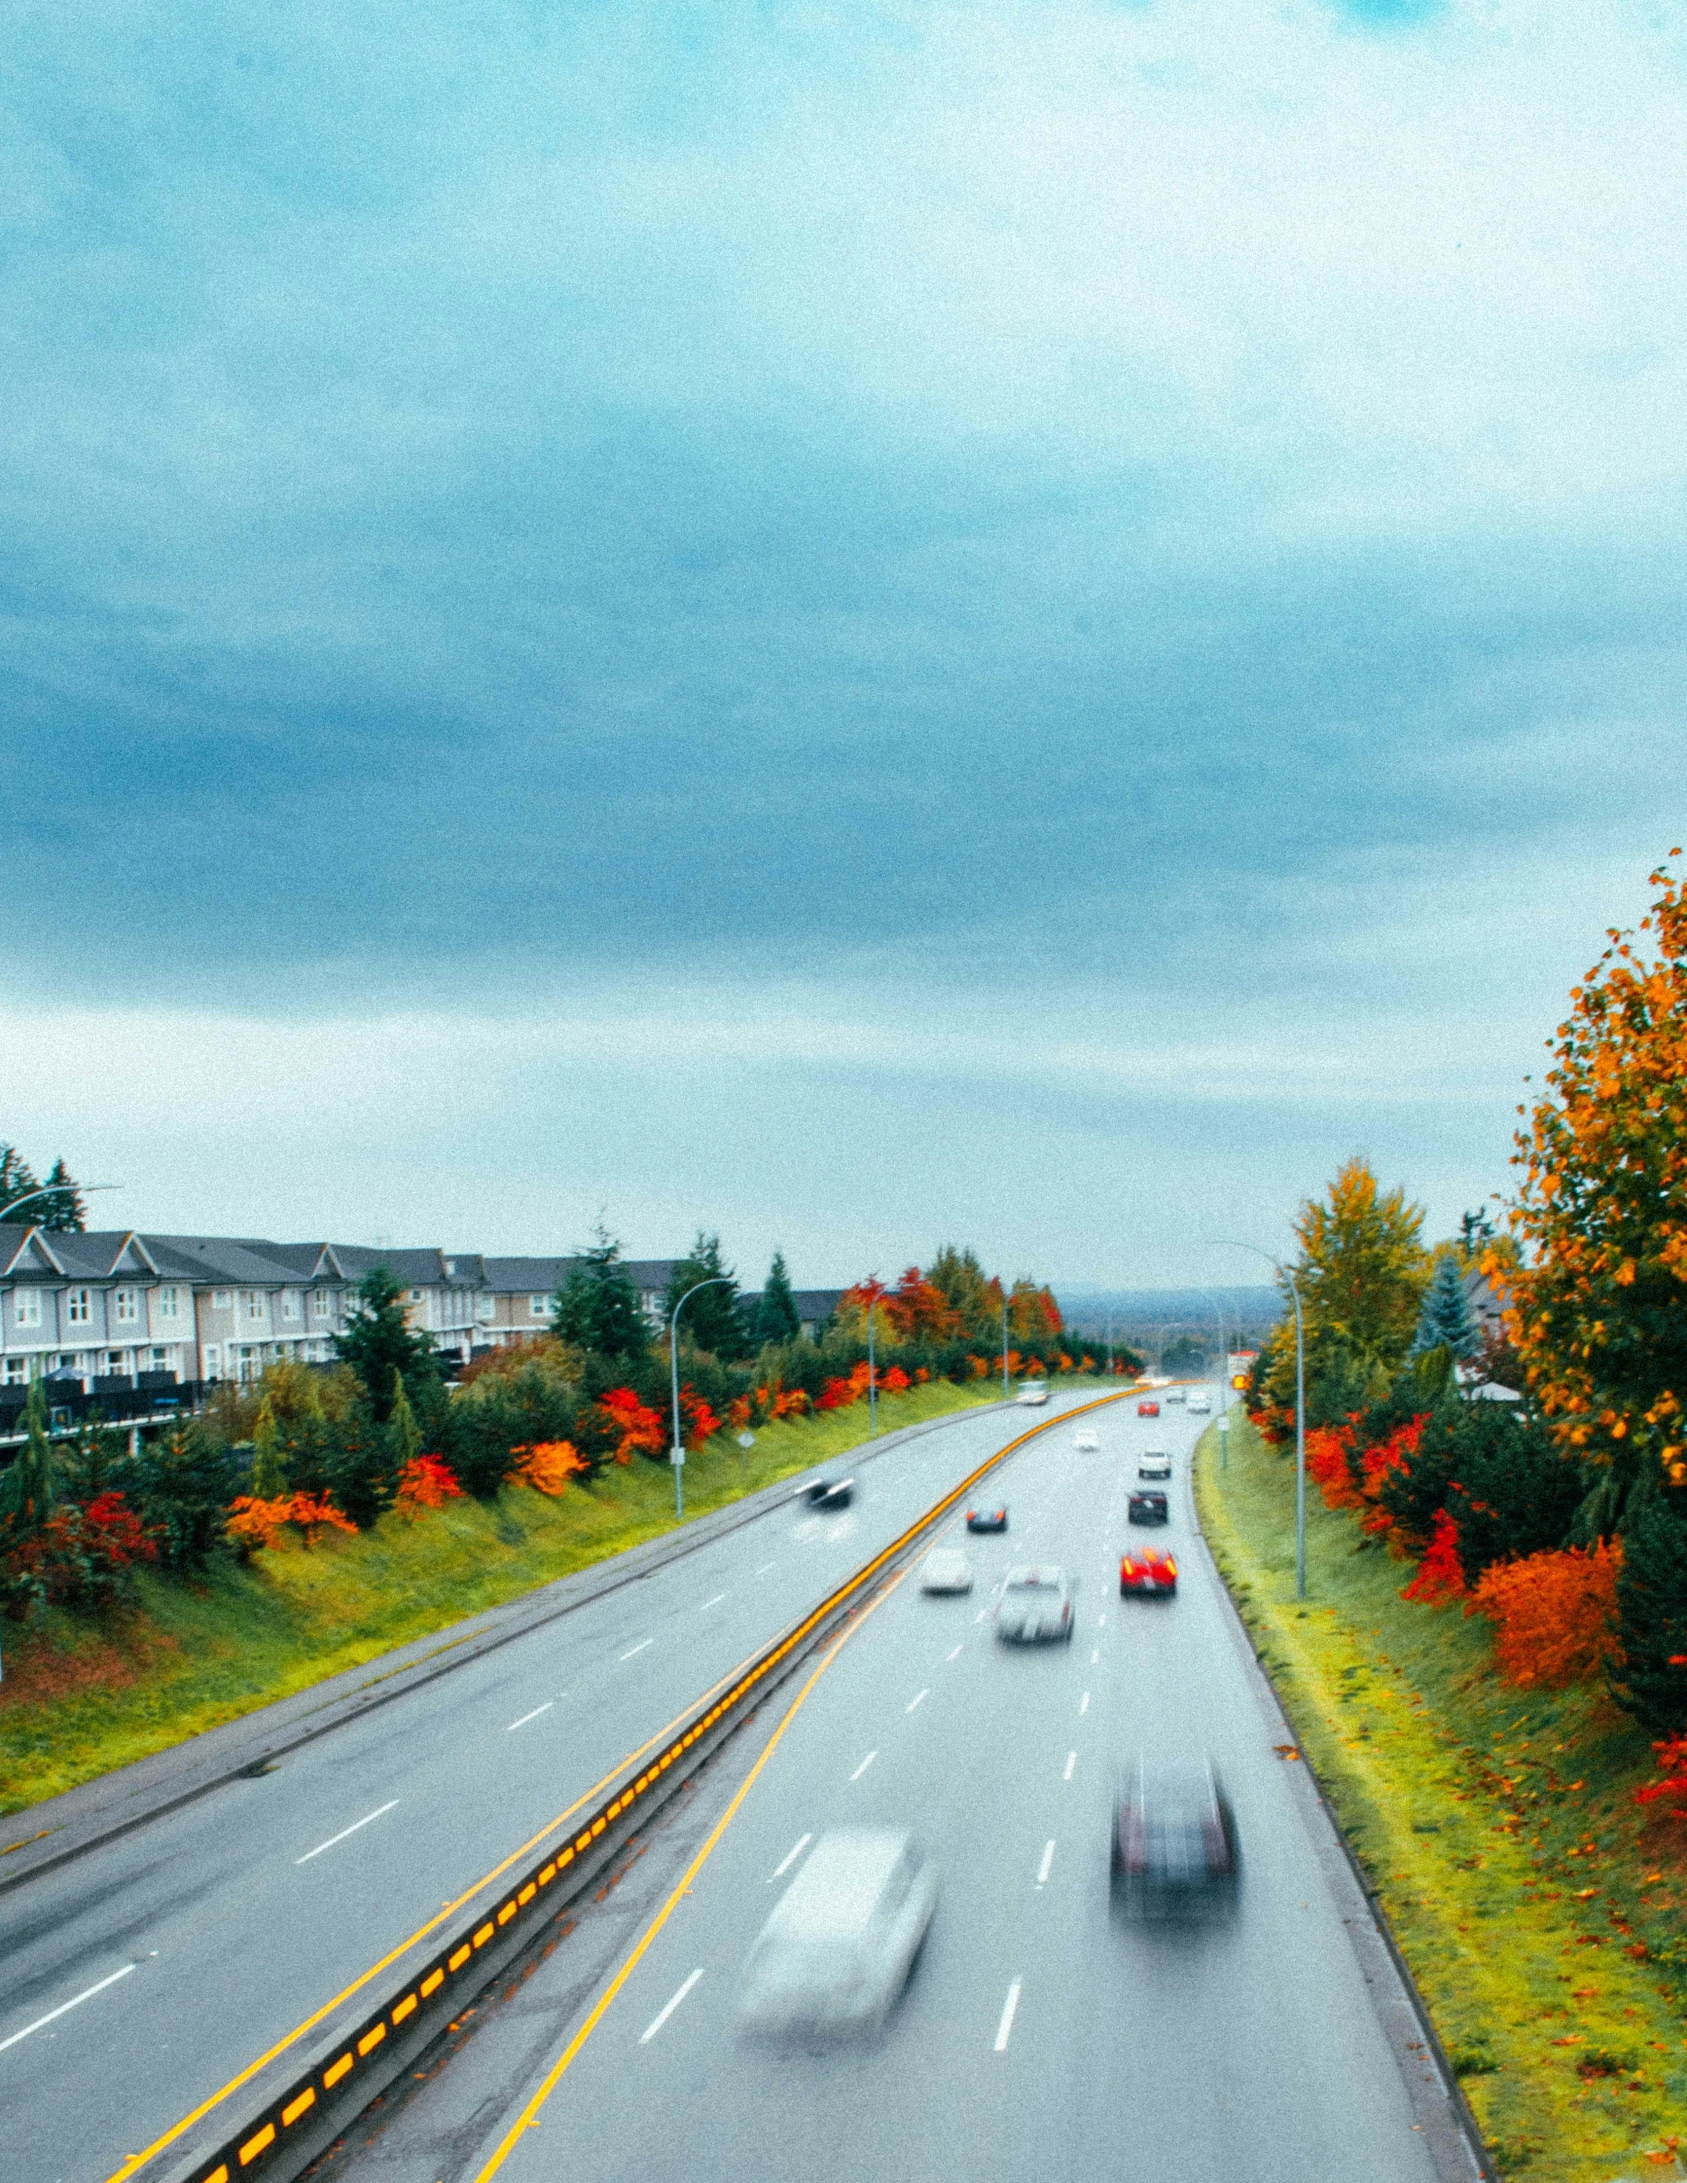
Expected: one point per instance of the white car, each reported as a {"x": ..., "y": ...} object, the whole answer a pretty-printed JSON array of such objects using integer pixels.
[
  {"x": 945, "y": 1569},
  {"x": 1174, "y": 1394},
  {"x": 1034, "y": 1393},
  {"x": 1154, "y": 1463},
  {"x": 838, "y": 1948},
  {"x": 1200, "y": 1403},
  {"x": 1087, "y": 1441}
]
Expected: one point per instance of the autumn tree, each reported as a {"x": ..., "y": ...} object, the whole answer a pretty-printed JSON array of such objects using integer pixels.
[
  {"x": 973, "y": 1298},
  {"x": 1599, "y": 1304}
]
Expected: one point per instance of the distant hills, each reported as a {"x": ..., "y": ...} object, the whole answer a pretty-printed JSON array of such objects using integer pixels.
[{"x": 1132, "y": 1312}]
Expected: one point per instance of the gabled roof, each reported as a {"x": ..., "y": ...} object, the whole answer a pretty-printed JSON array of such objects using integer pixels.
[
  {"x": 311, "y": 1261},
  {"x": 417, "y": 1269},
  {"x": 243, "y": 1261},
  {"x": 96, "y": 1257},
  {"x": 25, "y": 1250}
]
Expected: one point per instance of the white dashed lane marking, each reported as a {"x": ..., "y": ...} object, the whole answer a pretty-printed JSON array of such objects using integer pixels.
[
  {"x": 862, "y": 1768},
  {"x": 789, "y": 1859},
  {"x": 1010, "y": 2008},
  {"x": 656, "y": 2024}
]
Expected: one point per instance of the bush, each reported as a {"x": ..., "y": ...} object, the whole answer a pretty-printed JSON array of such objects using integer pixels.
[
  {"x": 181, "y": 1484},
  {"x": 1652, "y": 1614},
  {"x": 1512, "y": 1493},
  {"x": 1554, "y": 1614},
  {"x": 80, "y": 1557}
]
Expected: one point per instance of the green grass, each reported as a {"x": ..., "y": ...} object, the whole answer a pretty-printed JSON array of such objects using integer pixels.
[
  {"x": 79, "y": 1699},
  {"x": 1496, "y": 1826}
]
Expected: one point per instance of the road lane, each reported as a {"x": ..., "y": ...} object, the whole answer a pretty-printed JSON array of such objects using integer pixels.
[
  {"x": 1038, "y": 2033},
  {"x": 243, "y": 1926}
]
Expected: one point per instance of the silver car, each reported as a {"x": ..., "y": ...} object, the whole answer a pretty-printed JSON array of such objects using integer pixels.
[
  {"x": 1154, "y": 1463},
  {"x": 842, "y": 1939},
  {"x": 945, "y": 1569},
  {"x": 1034, "y": 1606}
]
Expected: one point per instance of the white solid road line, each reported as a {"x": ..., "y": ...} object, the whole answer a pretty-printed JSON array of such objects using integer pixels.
[
  {"x": 912, "y": 1702},
  {"x": 979, "y": 1617},
  {"x": 1004, "y": 2030},
  {"x": 1084, "y": 1703},
  {"x": 344, "y": 1831},
  {"x": 76, "y": 2002},
  {"x": 789, "y": 1859},
  {"x": 955, "y": 1654},
  {"x": 765, "y": 1567},
  {"x": 862, "y": 1768},
  {"x": 1071, "y": 1761},
  {"x": 533, "y": 1716},
  {"x": 708, "y": 1603},
  {"x": 656, "y": 2024},
  {"x": 1043, "y": 1868},
  {"x": 638, "y": 1649}
]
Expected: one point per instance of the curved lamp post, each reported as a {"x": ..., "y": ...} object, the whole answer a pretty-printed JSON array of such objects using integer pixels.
[
  {"x": 1230, "y": 1243},
  {"x": 82, "y": 1189},
  {"x": 676, "y": 1453}
]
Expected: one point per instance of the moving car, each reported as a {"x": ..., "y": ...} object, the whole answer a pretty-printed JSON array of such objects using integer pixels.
[
  {"x": 1087, "y": 1440},
  {"x": 842, "y": 1939},
  {"x": 945, "y": 1569},
  {"x": 1146, "y": 1507},
  {"x": 1200, "y": 1403},
  {"x": 832, "y": 1492},
  {"x": 1148, "y": 1409},
  {"x": 987, "y": 1519},
  {"x": 1147, "y": 1571},
  {"x": 1175, "y": 1851},
  {"x": 1174, "y": 1394},
  {"x": 1154, "y": 1463},
  {"x": 1034, "y": 1606},
  {"x": 1034, "y": 1394}
]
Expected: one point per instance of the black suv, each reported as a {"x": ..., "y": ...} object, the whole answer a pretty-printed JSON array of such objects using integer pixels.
[{"x": 1147, "y": 1508}]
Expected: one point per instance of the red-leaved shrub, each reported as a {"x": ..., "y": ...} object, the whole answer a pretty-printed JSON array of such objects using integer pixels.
[{"x": 1554, "y": 1614}]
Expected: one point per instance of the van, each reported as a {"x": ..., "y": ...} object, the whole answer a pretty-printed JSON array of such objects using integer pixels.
[{"x": 836, "y": 1952}]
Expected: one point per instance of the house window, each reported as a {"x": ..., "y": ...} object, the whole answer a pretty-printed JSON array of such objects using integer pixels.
[
  {"x": 116, "y": 1360},
  {"x": 26, "y": 1307},
  {"x": 290, "y": 1303},
  {"x": 160, "y": 1360},
  {"x": 17, "y": 1371},
  {"x": 128, "y": 1305},
  {"x": 486, "y": 1310},
  {"x": 221, "y": 1299},
  {"x": 213, "y": 1361},
  {"x": 254, "y": 1303},
  {"x": 415, "y": 1296},
  {"x": 537, "y": 1306},
  {"x": 167, "y": 1307},
  {"x": 79, "y": 1307},
  {"x": 322, "y": 1305}
]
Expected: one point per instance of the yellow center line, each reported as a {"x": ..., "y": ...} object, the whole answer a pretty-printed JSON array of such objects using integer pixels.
[{"x": 528, "y": 2118}]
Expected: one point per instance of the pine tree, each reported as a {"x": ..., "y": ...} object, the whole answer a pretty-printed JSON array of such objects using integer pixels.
[
  {"x": 26, "y": 1490},
  {"x": 269, "y": 1480},
  {"x": 596, "y": 1307},
  {"x": 63, "y": 1212},
  {"x": 711, "y": 1320},
  {"x": 378, "y": 1341},
  {"x": 17, "y": 1180},
  {"x": 1445, "y": 1321},
  {"x": 404, "y": 1435},
  {"x": 777, "y": 1320}
]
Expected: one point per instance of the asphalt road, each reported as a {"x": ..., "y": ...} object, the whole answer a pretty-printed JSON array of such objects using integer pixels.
[
  {"x": 1039, "y": 2035},
  {"x": 137, "y": 1980}
]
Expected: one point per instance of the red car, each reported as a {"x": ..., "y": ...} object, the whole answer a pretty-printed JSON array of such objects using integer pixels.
[
  {"x": 1148, "y": 1409},
  {"x": 1147, "y": 1571}
]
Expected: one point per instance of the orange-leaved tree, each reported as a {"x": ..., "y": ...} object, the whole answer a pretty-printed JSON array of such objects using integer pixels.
[
  {"x": 546, "y": 1465},
  {"x": 256, "y": 1522},
  {"x": 1599, "y": 1308},
  {"x": 425, "y": 1482},
  {"x": 1554, "y": 1614},
  {"x": 631, "y": 1423}
]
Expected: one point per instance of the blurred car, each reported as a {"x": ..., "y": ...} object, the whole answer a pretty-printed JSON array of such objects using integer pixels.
[
  {"x": 1146, "y": 1507},
  {"x": 842, "y": 1939},
  {"x": 1035, "y": 1606},
  {"x": 1148, "y": 1409},
  {"x": 1154, "y": 1463},
  {"x": 1147, "y": 1571},
  {"x": 832, "y": 1492},
  {"x": 945, "y": 1569},
  {"x": 1087, "y": 1441},
  {"x": 1174, "y": 1394},
  {"x": 987, "y": 1519},
  {"x": 1200, "y": 1402},
  {"x": 1175, "y": 1850},
  {"x": 1034, "y": 1394}
]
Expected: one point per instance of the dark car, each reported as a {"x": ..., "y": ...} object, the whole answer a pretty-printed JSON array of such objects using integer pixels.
[
  {"x": 1146, "y": 1508},
  {"x": 1035, "y": 1607},
  {"x": 832, "y": 1492},
  {"x": 987, "y": 1519},
  {"x": 1175, "y": 1851},
  {"x": 1148, "y": 1572}
]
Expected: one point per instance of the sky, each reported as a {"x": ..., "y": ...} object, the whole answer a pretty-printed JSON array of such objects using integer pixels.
[{"x": 852, "y": 625}]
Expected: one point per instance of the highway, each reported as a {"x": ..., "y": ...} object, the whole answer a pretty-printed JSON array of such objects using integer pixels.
[
  {"x": 1039, "y": 2034},
  {"x": 136, "y": 1980}
]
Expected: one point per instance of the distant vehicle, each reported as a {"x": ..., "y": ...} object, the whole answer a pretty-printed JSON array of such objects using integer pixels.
[
  {"x": 1154, "y": 1463},
  {"x": 835, "y": 1954},
  {"x": 1174, "y": 1394},
  {"x": 1147, "y": 1571},
  {"x": 1034, "y": 1393},
  {"x": 987, "y": 1519},
  {"x": 945, "y": 1569},
  {"x": 1087, "y": 1441},
  {"x": 1148, "y": 1409},
  {"x": 1034, "y": 1606},
  {"x": 832, "y": 1492},
  {"x": 1200, "y": 1402},
  {"x": 1146, "y": 1508},
  {"x": 1175, "y": 1851}
]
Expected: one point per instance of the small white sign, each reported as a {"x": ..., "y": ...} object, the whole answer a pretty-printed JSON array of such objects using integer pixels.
[
  {"x": 676, "y": 1456},
  {"x": 746, "y": 1440}
]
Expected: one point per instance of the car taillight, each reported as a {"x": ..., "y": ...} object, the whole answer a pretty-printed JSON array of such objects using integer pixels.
[{"x": 1171, "y": 1567}]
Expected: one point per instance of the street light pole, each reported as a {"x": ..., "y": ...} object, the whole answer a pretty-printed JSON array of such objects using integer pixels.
[
  {"x": 872, "y": 1377},
  {"x": 1300, "y": 1408},
  {"x": 52, "y": 1190},
  {"x": 1004, "y": 1349},
  {"x": 676, "y": 1453}
]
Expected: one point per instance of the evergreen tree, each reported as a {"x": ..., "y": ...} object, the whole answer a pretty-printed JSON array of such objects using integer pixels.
[
  {"x": 1445, "y": 1322},
  {"x": 970, "y": 1295},
  {"x": 776, "y": 1314},
  {"x": 1652, "y": 1613},
  {"x": 596, "y": 1307},
  {"x": 711, "y": 1321},
  {"x": 63, "y": 1211},
  {"x": 269, "y": 1480},
  {"x": 181, "y": 1489},
  {"x": 404, "y": 1435},
  {"x": 26, "y": 1490},
  {"x": 378, "y": 1341},
  {"x": 17, "y": 1180}
]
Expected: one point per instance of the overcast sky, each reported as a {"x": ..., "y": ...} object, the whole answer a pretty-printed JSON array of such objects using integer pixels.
[{"x": 855, "y": 625}]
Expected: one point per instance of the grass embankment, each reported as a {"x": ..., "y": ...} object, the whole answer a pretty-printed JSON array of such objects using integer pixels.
[
  {"x": 1537, "y": 1908},
  {"x": 78, "y": 1700}
]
